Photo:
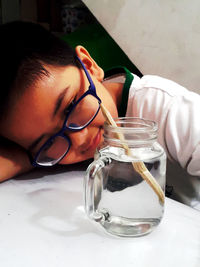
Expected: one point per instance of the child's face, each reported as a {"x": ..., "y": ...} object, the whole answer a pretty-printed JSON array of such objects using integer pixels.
[{"x": 32, "y": 117}]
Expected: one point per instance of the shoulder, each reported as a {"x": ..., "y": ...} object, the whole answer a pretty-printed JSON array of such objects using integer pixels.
[{"x": 162, "y": 86}]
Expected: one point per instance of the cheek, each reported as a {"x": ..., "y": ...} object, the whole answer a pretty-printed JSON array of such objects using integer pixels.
[
  {"x": 75, "y": 158},
  {"x": 108, "y": 102},
  {"x": 74, "y": 155},
  {"x": 110, "y": 106}
]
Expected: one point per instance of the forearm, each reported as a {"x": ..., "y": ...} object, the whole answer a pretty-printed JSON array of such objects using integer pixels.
[{"x": 13, "y": 160}]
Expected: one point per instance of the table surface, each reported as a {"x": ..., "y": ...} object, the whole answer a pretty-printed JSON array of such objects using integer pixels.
[{"x": 43, "y": 223}]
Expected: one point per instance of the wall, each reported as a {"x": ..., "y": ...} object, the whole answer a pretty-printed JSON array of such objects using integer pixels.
[
  {"x": 10, "y": 10},
  {"x": 160, "y": 37}
]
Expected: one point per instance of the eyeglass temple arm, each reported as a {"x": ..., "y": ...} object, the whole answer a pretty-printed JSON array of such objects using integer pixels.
[{"x": 87, "y": 74}]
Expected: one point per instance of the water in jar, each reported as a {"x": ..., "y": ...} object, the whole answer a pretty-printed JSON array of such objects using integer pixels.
[{"x": 128, "y": 204}]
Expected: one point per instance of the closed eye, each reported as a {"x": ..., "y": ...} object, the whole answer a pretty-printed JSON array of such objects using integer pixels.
[{"x": 69, "y": 107}]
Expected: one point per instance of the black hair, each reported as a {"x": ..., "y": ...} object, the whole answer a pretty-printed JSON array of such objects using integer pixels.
[{"x": 24, "y": 49}]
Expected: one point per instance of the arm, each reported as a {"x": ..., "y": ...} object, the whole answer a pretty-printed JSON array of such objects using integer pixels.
[
  {"x": 13, "y": 160},
  {"x": 182, "y": 134}
]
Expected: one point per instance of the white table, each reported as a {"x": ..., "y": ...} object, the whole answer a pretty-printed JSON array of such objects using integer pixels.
[
  {"x": 42, "y": 223},
  {"x": 160, "y": 37}
]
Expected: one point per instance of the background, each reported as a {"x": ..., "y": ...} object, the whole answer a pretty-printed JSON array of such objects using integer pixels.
[{"x": 148, "y": 36}]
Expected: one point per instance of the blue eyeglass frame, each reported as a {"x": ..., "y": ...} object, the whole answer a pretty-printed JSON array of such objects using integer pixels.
[{"x": 91, "y": 91}]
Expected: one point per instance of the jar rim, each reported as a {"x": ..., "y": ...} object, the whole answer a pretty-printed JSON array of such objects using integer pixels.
[{"x": 135, "y": 124}]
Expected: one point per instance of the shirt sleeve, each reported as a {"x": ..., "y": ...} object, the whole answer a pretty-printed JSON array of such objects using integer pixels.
[{"x": 177, "y": 112}]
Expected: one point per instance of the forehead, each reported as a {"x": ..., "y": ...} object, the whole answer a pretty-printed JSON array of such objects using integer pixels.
[
  {"x": 41, "y": 95},
  {"x": 46, "y": 86},
  {"x": 29, "y": 115}
]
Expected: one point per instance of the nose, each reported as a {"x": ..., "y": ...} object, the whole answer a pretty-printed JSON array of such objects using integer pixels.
[{"x": 78, "y": 138}]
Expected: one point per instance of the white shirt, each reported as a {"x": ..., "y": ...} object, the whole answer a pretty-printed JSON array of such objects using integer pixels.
[{"x": 177, "y": 113}]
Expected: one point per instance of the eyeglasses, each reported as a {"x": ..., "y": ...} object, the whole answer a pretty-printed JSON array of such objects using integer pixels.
[{"x": 80, "y": 115}]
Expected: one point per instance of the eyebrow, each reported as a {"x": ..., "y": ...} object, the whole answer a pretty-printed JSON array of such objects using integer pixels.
[{"x": 59, "y": 101}]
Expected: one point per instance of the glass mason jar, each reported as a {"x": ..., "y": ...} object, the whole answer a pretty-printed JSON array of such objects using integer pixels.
[{"x": 116, "y": 195}]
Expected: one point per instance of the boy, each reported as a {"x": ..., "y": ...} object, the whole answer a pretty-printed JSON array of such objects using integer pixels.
[{"x": 49, "y": 117}]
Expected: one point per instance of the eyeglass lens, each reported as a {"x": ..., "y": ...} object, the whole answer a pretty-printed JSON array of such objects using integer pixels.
[
  {"x": 83, "y": 113},
  {"x": 53, "y": 151},
  {"x": 80, "y": 116}
]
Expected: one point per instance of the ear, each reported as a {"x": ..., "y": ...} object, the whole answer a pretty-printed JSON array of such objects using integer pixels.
[{"x": 89, "y": 63}]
